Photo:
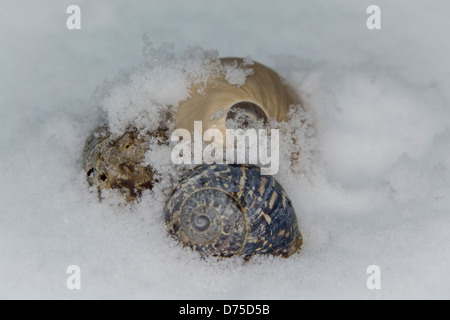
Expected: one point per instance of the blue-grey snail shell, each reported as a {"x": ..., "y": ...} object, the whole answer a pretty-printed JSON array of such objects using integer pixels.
[{"x": 227, "y": 210}]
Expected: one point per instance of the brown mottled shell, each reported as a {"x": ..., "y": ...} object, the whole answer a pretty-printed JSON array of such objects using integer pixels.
[
  {"x": 117, "y": 163},
  {"x": 227, "y": 210},
  {"x": 263, "y": 95}
]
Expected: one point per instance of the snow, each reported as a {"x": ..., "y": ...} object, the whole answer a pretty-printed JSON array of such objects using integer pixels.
[
  {"x": 373, "y": 186},
  {"x": 140, "y": 98}
]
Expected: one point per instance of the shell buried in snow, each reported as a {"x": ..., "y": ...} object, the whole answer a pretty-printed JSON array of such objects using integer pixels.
[
  {"x": 226, "y": 210},
  {"x": 217, "y": 210},
  {"x": 117, "y": 163},
  {"x": 264, "y": 95}
]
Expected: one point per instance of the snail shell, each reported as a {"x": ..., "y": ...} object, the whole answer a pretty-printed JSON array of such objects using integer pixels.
[
  {"x": 117, "y": 163},
  {"x": 263, "y": 95},
  {"x": 226, "y": 210}
]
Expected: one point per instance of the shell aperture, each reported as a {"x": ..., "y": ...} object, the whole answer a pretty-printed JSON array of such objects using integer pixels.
[{"x": 264, "y": 95}]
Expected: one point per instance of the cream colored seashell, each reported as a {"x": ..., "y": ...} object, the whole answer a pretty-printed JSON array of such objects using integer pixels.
[{"x": 263, "y": 95}]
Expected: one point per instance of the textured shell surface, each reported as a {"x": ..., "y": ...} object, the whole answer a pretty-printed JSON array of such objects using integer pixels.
[
  {"x": 263, "y": 95},
  {"x": 116, "y": 163},
  {"x": 226, "y": 210}
]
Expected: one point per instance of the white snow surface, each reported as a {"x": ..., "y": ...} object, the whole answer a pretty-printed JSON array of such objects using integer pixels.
[{"x": 373, "y": 187}]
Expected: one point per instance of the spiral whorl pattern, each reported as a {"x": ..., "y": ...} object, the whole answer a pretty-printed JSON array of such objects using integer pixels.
[
  {"x": 226, "y": 210},
  {"x": 263, "y": 95}
]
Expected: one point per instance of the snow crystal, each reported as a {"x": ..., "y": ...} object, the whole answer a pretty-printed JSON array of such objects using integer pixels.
[
  {"x": 235, "y": 75},
  {"x": 142, "y": 97}
]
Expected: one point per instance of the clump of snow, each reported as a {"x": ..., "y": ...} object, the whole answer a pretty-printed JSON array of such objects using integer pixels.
[
  {"x": 142, "y": 97},
  {"x": 235, "y": 75}
]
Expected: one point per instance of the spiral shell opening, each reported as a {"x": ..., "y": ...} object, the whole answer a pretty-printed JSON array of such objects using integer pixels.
[
  {"x": 246, "y": 113},
  {"x": 263, "y": 95}
]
